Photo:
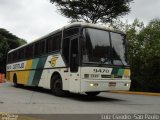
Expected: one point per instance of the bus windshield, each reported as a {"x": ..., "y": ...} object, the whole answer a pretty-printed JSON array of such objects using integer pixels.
[{"x": 103, "y": 47}]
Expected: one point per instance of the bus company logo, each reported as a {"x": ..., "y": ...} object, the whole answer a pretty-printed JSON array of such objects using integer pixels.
[{"x": 53, "y": 60}]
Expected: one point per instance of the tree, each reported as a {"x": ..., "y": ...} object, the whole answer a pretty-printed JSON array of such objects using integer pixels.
[
  {"x": 8, "y": 41},
  {"x": 143, "y": 53},
  {"x": 93, "y": 10}
]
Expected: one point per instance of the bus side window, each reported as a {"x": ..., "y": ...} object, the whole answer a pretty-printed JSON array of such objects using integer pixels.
[
  {"x": 56, "y": 42},
  {"x": 71, "y": 32},
  {"x": 21, "y": 54},
  {"x": 36, "y": 49},
  {"x": 53, "y": 43},
  {"x": 42, "y": 47},
  {"x": 29, "y": 51},
  {"x": 9, "y": 58},
  {"x": 15, "y": 56}
]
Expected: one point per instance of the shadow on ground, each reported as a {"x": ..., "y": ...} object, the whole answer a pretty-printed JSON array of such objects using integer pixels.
[{"x": 73, "y": 96}]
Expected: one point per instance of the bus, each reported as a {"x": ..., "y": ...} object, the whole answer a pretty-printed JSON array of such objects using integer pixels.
[{"x": 78, "y": 58}]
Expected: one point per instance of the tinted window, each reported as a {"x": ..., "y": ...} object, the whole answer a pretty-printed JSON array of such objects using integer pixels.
[
  {"x": 15, "y": 56},
  {"x": 66, "y": 43},
  {"x": 118, "y": 49},
  {"x": 21, "y": 54},
  {"x": 42, "y": 47},
  {"x": 70, "y": 32},
  {"x": 29, "y": 52},
  {"x": 36, "y": 49},
  {"x": 53, "y": 43},
  {"x": 74, "y": 56},
  {"x": 96, "y": 46},
  {"x": 10, "y": 57}
]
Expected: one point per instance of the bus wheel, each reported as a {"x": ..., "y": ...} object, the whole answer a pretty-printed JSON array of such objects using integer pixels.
[
  {"x": 15, "y": 80},
  {"x": 91, "y": 94},
  {"x": 56, "y": 86}
]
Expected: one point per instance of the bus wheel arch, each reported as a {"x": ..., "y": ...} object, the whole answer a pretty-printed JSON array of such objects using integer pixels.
[{"x": 56, "y": 84}]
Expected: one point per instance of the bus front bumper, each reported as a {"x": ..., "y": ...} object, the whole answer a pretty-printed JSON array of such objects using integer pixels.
[{"x": 104, "y": 85}]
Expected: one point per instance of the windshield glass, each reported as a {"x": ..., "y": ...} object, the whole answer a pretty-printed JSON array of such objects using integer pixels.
[
  {"x": 97, "y": 47},
  {"x": 118, "y": 49}
]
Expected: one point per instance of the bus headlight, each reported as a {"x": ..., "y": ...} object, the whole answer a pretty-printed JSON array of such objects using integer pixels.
[
  {"x": 93, "y": 84},
  {"x": 127, "y": 84}
]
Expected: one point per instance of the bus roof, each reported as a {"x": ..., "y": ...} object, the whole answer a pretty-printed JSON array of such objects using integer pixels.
[{"x": 80, "y": 24}]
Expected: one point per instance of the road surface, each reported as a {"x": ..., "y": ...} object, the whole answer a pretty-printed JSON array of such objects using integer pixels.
[{"x": 28, "y": 100}]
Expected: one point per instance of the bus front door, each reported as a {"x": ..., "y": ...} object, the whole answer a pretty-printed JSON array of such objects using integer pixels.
[{"x": 74, "y": 78}]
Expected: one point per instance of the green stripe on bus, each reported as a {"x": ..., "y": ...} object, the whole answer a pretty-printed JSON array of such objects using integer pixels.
[
  {"x": 115, "y": 71},
  {"x": 38, "y": 73},
  {"x": 31, "y": 76},
  {"x": 32, "y": 72},
  {"x": 120, "y": 72}
]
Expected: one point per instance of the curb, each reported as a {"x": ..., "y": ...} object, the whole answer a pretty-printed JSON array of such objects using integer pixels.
[{"x": 137, "y": 93}]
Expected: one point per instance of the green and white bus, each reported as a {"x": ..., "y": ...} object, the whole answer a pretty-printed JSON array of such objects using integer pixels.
[{"x": 78, "y": 58}]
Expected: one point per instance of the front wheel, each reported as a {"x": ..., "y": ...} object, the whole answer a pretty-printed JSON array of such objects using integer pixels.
[
  {"x": 56, "y": 86},
  {"x": 92, "y": 94}
]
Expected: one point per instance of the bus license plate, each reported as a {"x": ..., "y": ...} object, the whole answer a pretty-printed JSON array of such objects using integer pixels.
[{"x": 112, "y": 84}]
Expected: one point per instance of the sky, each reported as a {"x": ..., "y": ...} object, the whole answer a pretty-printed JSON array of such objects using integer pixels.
[{"x": 32, "y": 19}]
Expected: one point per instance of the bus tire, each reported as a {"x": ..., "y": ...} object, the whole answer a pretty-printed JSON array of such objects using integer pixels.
[
  {"x": 56, "y": 86},
  {"x": 92, "y": 94},
  {"x": 15, "y": 81}
]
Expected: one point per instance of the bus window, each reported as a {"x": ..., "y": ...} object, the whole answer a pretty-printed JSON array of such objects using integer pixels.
[
  {"x": 96, "y": 46},
  {"x": 36, "y": 51},
  {"x": 42, "y": 47},
  {"x": 21, "y": 54},
  {"x": 71, "y": 32},
  {"x": 29, "y": 52},
  {"x": 15, "y": 56},
  {"x": 53, "y": 43},
  {"x": 10, "y": 58},
  {"x": 118, "y": 49}
]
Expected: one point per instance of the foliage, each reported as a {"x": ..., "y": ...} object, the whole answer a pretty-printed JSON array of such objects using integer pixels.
[
  {"x": 144, "y": 54},
  {"x": 8, "y": 41},
  {"x": 93, "y": 10}
]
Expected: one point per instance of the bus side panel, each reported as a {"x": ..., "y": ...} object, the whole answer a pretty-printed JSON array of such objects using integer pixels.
[
  {"x": 9, "y": 76},
  {"x": 22, "y": 77},
  {"x": 54, "y": 63},
  {"x": 38, "y": 71},
  {"x": 47, "y": 74},
  {"x": 22, "y": 71}
]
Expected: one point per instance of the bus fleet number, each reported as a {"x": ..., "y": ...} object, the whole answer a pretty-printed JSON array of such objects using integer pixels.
[{"x": 101, "y": 70}]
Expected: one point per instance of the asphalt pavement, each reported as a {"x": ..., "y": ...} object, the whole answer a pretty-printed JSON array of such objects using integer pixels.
[{"x": 31, "y": 100}]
